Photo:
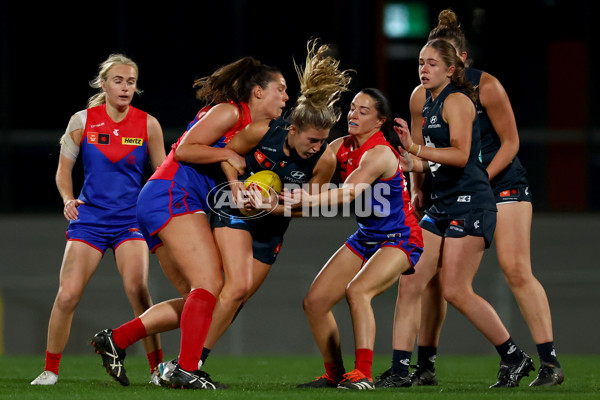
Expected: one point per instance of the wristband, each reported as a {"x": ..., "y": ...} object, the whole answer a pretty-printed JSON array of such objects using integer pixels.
[{"x": 414, "y": 147}]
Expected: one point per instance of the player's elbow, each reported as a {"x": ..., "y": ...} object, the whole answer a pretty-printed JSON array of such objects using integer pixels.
[{"x": 180, "y": 154}]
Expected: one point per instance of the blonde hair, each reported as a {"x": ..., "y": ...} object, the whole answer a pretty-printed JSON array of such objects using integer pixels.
[
  {"x": 112, "y": 60},
  {"x": 321, "y": 85}
]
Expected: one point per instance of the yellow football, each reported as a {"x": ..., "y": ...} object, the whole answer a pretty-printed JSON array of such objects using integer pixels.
[{"x": 266, "y": 181}]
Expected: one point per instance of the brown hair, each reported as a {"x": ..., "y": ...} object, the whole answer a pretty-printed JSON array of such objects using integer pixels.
[
  {"x": 235, "y": 81},
  {"x": 450, "y": 58},
  {"x": 449, "y": 28}
]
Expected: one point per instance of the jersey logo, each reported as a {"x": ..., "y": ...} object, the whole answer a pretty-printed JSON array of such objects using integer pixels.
[
  {"x": 508, "y": 193},
  {"x": 433, "y": 119},
  {"x": 132, "y": 141},
  {"x": 116, "y": 132},
  {"x": 98, "y": 138},
  {"x": 263, "y": 160},
  {"x": 298, "y": 175},
  {"x": 118, "y": 149}
]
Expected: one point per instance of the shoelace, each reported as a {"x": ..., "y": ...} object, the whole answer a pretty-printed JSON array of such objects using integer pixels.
[{"x": 353, "y": 376}]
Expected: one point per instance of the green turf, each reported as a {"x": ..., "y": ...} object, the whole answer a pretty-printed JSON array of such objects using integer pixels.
[{"x": 461, "y": 377}]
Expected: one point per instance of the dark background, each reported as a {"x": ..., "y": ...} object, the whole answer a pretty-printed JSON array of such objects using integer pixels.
[{"x": 541, "y": 50}]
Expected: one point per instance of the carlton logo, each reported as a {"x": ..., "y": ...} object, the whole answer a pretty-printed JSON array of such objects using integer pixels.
[{"x": 132, "y": 141}]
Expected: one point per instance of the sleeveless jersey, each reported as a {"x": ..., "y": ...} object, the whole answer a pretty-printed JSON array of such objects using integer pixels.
[
  {"x": 114, "y": 155},
  {"x": 268, "y": 154},
  {"x": 169, "y": 168},
  {"x": 385, "y": 207},
  {"x": 455, "y": 186},
  {"x": 514, "y": 175}
]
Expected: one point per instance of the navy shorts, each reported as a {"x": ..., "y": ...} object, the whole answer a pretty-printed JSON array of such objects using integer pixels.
[
  {"x": 265, "y": 245},
  {"x": 475, "y": 222},
  {"x": 365, "y": 247},
  {"x": 102, "y": 238},
  {"x": 513, "y": 195}
]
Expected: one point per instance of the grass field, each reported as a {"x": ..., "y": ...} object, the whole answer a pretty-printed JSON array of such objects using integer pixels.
[{"x": 461, "y": 377}]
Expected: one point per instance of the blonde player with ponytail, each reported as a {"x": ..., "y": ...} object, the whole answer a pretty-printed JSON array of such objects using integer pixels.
[{"x": 249, "y": 247}]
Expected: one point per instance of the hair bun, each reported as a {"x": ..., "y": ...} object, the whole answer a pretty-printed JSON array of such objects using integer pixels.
[{"x": 448, "y": 18}]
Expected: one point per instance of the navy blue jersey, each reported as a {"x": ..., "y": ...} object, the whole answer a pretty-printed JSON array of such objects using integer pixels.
[
  {"x": 268, "y": 154},
  {"x": 514, "y": 175},
  {"x": 454, "y": 186}
]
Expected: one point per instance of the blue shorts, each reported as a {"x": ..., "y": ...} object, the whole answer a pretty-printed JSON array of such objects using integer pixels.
[
  {"x": 159, "y": 201},
  {"x": 513, "y": 195},
  {"x": 365, "y": 247},
  {"x": 475, "y": 222},
  {"x": 265, "y": 244},
  {"x": 102, "y": 238}
]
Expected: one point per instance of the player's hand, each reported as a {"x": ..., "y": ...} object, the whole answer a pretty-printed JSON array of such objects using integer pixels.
[
  {"x": 293, "y": 200},
  {"x": 406, "y": 160},
  {"x": 70, "y": 210},
  {"x": 257, "y": 200},
  {"x": 238, "y": 162},
  {"x": 418, "y": 202},
  {"x": 403, "y": 133}
]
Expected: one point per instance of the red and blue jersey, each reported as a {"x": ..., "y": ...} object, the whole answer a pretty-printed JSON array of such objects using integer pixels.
[
  {"x": 114, "y": 155},
  {"x": 179, "y": 188},
  {"x": 384, "y": 210}
]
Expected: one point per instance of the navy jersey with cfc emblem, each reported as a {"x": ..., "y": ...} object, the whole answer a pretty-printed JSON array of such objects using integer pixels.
[
  {"x": 269, "y": 154},
  {"x": 114, "y": 155},
  {"x": 293, "y": 170},
  {"x": 514, "y": 175},
  {"x": 455, "y": 186}
]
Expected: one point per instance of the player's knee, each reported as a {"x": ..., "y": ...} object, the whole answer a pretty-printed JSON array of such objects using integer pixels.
[
  {"x": 454, "y": 294},
  {"x": 311, "y": 305},
  {"x": 356, "y": 294},
  {"x": 235, "y": 294},
  {"x": 137, "y": 291},
  {"x": 67, "y": 299},
  {"x": 518, "y": 276}
]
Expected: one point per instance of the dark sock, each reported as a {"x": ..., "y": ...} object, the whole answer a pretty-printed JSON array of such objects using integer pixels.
[
  {"x": 426, "y": 357},
  {"x": 547, "y": 353},
  {"x": 204, "y": 356},
  {"x": 509, "y": 352},
  {"x": 401, "y": 362}
]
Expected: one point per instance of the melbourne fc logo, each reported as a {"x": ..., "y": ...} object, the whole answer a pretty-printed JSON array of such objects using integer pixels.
[{"x": 223, "y": 203}]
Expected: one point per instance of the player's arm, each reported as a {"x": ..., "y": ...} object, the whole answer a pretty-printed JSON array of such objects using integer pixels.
[
  {"x": 375, "y": 163},
  {"x": 416, "y": 103},
  {"x": 156, "y": 145},
  {"x": 240, "y": 145},
  {"x": 321, "y": 176},
  {"x": 69, "y": 150},
  {"x": 459, "y": 112},
  {"x": 494, "y": 99},
  {"x": 196, "y": 147}
]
